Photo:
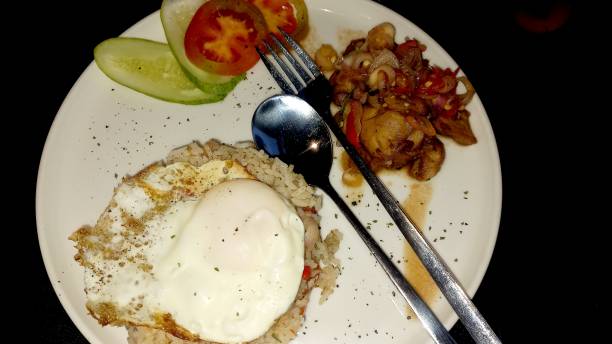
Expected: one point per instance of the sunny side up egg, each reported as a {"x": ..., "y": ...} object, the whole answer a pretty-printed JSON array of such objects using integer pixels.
[{"x": 203, "y": 252}]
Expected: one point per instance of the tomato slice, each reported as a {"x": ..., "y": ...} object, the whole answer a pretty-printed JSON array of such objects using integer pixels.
[
  {"x": 222, "y": 36},
  {"x": 278, "y": 13}
]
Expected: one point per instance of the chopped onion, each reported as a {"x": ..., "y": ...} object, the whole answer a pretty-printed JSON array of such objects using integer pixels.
[
  {"x": 469, "y": 90},
  {"x": 357, "y": 59},
  {"x": 384, "y": 57},
  {"x": 381, "y": 76}
]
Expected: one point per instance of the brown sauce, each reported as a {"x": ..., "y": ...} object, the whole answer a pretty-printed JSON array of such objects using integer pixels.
[{"x": 416, "y": 206}]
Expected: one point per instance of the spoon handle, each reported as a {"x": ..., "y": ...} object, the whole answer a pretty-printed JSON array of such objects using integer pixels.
[
  {"x": 420, "y": 308},
  {"x": 471, "y": 318}
]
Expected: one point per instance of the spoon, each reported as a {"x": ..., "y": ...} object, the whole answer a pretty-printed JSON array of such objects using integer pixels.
[{"x": 287, "y": 127}]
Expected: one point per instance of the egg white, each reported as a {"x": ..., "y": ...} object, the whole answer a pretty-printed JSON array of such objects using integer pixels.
[{"x": 202, "y": 252}]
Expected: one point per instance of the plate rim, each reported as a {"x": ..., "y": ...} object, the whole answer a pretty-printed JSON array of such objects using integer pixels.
[
  {"x": 44, "y": 249},
  {"x": 497, "y": 181}
]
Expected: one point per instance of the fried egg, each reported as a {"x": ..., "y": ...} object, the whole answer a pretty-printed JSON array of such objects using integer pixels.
[{"x": 204, "y": 252}]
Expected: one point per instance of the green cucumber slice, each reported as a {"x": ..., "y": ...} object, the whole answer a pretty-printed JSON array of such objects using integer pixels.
[
  {"x": 149, "y": 67},
  {"x": 175, "y": 17}
]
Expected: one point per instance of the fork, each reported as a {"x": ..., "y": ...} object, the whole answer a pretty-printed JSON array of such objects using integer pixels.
[{"x": 307, "y": 82}]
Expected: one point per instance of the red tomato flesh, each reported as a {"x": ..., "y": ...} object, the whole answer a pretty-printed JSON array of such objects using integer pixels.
[{"x": 222, "y": 36}]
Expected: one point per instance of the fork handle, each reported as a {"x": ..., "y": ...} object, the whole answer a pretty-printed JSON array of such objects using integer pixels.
[
  {"x": 469, "y": 315},
  {"x": 429, "y": 320}
]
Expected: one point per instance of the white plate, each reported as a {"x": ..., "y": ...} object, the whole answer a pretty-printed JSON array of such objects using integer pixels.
[{"x": 104, "y": 131}]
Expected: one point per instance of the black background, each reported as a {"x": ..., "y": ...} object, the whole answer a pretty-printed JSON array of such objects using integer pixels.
[{"x": 539, "y": 92}]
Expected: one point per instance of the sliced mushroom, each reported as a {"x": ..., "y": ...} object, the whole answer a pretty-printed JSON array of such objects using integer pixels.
[
  {"x": 421, "y": 123},
  {"x": 458, "y": 128},
  {"x": 383, "y": 135},
  {"x": 429, "y": 161},
  {"x": 382, "y": 36},
  {"x": 325, "y": 57}
]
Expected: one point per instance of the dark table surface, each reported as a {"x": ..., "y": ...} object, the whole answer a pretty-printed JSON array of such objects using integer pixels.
[{"x": 528, "y": 82}]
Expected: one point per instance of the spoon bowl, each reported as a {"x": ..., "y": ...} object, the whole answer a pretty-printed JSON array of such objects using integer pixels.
[{"x": 289, "y": 128}]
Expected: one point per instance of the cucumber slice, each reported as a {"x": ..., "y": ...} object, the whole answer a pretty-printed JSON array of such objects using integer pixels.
[
  {"x": 149, "y": 67},
  {"x": 175, "y": 17}
]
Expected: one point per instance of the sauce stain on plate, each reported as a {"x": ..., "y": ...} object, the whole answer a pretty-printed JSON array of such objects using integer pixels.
[
  {"x": 416, "y": 207},
  {"x": 418, "y": 276}
]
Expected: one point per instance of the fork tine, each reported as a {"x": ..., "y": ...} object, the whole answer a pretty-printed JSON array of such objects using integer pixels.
[
  {"x": 312, "y": 66},
  {"x": 296, "y": 65},
  {"x": 277, "y": 77},
  {"x": 297, "y": 83}
]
